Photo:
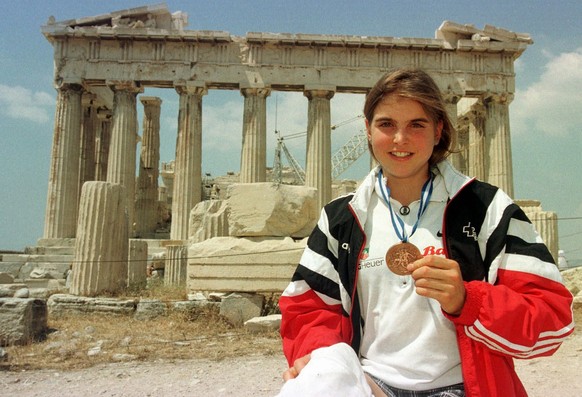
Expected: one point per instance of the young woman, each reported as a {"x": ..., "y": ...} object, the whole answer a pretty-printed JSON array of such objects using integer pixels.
[{"x": 436, "y": 280}]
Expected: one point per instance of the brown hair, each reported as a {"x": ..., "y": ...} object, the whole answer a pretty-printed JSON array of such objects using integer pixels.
[{"x": 417, "y": 85}]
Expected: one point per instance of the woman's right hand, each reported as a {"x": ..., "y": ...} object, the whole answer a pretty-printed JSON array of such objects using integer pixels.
[{"x": 298, "y": 365}]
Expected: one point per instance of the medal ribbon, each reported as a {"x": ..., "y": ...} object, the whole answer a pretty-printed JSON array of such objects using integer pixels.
[{"x": 397, "y": 222}]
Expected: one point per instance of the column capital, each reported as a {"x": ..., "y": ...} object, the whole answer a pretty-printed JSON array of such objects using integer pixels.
[
  {"x": 150, "y": 100},
  {"x": 191, "y": 87},
  {"x": 452, "y": 97},
  {"x": 88, "y": 98},
  {"x": 262, "y": 92},
  {"x": 474, "y": 112},
  {"x": 319, "y": 91},
  {"x": 125, "y": 85},
  {"x": 501, "y": 98},
  {"x": 73, "y": 85},
  {"x": 104, "y": 114}
]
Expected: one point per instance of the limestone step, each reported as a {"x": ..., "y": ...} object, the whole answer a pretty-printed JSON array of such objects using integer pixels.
[
  {"x": 45, "y": 259},
  {"x": 23, "y": 270},
  {"x": 12, "y": 268},
  {"x": 48, "y": 283},
  {"x": 56, "y": 242},
  {"x": 54, "y": 250}
]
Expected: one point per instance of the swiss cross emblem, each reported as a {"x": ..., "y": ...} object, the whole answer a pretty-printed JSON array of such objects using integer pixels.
[{"x": 470, "y": 231}]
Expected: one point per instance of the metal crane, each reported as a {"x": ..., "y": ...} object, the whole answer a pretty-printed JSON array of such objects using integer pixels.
[
  {"x": 340, "y": 161},
  {"x": 348, "y": 154},
  {"x": 278, "y": 166}
]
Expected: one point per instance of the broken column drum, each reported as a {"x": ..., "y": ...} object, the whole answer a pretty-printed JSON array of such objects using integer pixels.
[
  {"x": 176, "y": 265},
  {"x": 101, "y": 248}
]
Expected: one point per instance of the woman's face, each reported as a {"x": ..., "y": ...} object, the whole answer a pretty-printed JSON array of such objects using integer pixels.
[{"x": 402, "y": 137}]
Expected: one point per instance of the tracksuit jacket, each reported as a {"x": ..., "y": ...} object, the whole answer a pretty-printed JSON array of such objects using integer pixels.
[{"x": 516, "y": 304}]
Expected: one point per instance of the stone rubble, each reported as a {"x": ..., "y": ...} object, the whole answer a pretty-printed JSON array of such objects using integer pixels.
[
  {"x": 61, "y": 304},
  {"x": 6, "y": 278},
  {"x": 148, "y": 309},
  {"x": 237, "y": 308},
  {"x": 250, "y": 264},
  {"x": 270, "y": 323},
  {"x": 22, "y": 320},
  {"x": 573, "y": 280},
  {"x": 268, "y": 210},
  {"x": 240, "y": 307}
]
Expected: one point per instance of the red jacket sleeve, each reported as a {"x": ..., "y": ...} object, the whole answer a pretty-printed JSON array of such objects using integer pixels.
[
  {"x": 309, "y": 323},
  {"x": 523, "y": 315}
]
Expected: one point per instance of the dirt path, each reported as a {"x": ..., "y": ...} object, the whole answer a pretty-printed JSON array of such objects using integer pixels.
[{"x": 247, "y": 376}]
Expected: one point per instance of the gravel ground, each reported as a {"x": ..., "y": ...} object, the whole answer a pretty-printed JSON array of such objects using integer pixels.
[{"x": 252, "y": 376}]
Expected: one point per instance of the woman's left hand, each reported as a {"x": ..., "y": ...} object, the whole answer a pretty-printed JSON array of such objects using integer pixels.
[{"x": 440, "y": 278}]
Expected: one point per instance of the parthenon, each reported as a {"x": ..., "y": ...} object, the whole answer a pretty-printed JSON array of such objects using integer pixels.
[{"x": 102, "y": 63}]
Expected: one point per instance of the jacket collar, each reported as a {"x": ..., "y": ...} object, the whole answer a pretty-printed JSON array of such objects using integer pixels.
[{"x": 454, "y": 182}]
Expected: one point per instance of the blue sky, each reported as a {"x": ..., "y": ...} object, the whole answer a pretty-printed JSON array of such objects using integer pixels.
[{"x": 545, "y": 116}]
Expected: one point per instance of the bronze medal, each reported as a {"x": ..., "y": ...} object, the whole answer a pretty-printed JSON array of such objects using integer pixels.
[{"x": 400, "y": 255}]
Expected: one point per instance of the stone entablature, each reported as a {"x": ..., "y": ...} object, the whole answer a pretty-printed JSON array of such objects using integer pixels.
[
  {"x": 149, "y": 17},
  {"x": 463, "y": 59}
]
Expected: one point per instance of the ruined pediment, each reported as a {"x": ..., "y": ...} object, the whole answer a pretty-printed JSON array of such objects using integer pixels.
[
  {"x": 145, "y": 17},
  {"x": 455, "y": 34}
]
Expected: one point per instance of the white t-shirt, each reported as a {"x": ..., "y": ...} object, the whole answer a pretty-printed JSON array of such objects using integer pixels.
[{"x": 407, "y": 342}]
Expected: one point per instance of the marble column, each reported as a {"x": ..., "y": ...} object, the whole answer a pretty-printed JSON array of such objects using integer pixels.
[
  {"x": 102, "y": 139},
  {"x": 253, "y": 164},
  {"x": 187, "y": 191},
  {"x": 88, "y": 136},
  {"x": 318, "y": 159},
  {"x": 498, "y": 165},
  {"x": 476, "y": 150},
  {"x": 451, "y": 99},
  {"x": 63, "y": 184},
  {"x": 460, "y": 157},
  {"x": 122, "y": 148},
  {"x": 146, "y": 205}
]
